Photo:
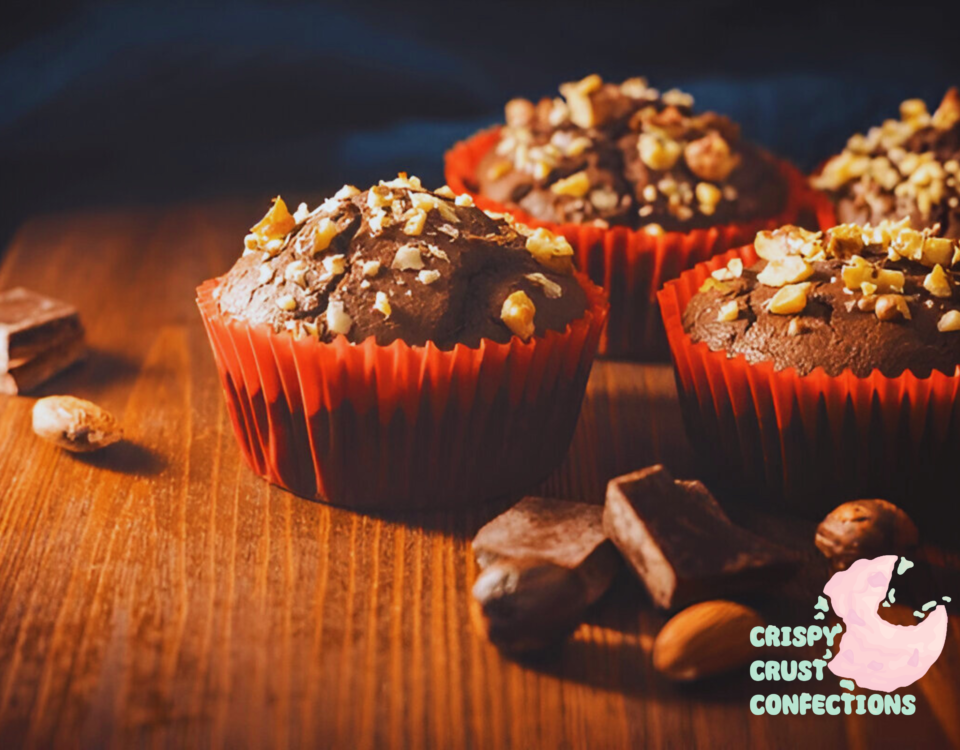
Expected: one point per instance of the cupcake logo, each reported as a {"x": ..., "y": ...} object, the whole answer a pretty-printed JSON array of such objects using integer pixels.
[
  {"x": 874, "y": 653},
  {"x": 865, "y": 651}
]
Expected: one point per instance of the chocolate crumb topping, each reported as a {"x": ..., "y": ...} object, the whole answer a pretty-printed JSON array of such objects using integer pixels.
[
  {"x": 906, "y": 168},
  {"x": 860, "y": 298},
  {"x": 627, "y": 154},
  {"x": 400, "y": 262}
]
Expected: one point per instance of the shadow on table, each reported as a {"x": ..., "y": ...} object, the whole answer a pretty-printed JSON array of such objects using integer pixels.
[{"x": 125, "y": 458}]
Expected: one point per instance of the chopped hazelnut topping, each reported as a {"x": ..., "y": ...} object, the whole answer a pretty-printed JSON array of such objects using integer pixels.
[
  {"x": 790, "y": 300},
  {"x": 371, "y": 268},
  {"x": 604, "y": 199},
  {"x": 868, "y": 289},
  {"x": 464, "y": 199},
  {"x": 787, "y": 270},
  {"x": 949, "y": 322},
  {"x": 325, "y": 232},
  {"x": 712, "y": 283},
  {"x": 657, "y": 151},
  {"x": 550, "y": 250},
  {"x": 655, "y": 229},
  {"x": 794, "y": 328},
  {"x": 729, "y": 311},
  {"x": 415, "y": 223},
  {"x": 650, "y": 193},
  {"x": 338, "y": 321},
  {"x": 446, "y": 192},
  {"x": 301, "y": 214},
  {"x": 892, "y": 306},
  {"x": 860, "y": 270},
  {"x": 334, "y": 265},
  {"x": 517, "y": 313},
  {"x": 251, "y": 242},
  {"x": 708, "y": 195},
  {"x": 937, "y": 282},
  {"x": 408, "y": 258},
  {"x": 735, "y": 266},
  {"x": 710, "y": 158},
  {"x": 379, "y": 196},
  {"x": 550, "y": 288},
  {"x": 382, "y": 305},
  {"x": 578, "y": 96},
  {"x": 576, "y": 185},
  {"x": 287, "y": 302},
  {"x": 428, "y": 276},
  {"x": 347, "y": 191},
  {"x": 266, "y": 274},
  {"x": 296, "y": 273},
  {"x": 277, "y": 223}
]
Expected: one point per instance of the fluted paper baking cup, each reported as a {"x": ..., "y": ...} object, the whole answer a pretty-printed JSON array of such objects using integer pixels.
[
  {"x": 811, "y": 441},
  {"x": 399, "y": 426},
  {"x": 631, "y": 265}
]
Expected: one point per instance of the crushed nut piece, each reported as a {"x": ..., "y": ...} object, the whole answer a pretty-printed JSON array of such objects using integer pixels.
[
  {"x": 338, "y": 321},
  {"x": 428, "y": 276},
  {"x": 729, "y": 311},
  {"x": 576, "y": 185},
  {"x": 550, "y": 288},
  {"x": 277, "y": 223},
  {"x": 710, "y": 157},
  {"x": 334, "y": 265},
  {"x": 892, "y": 306},
  {"x": 657, "y": 151},
  {"x": 860, "y": 270},
  {"x": 415, "y": 223},
  {"x": 382, "y": 305},
  {"x": 950, "y": 321},
  {"x": 408, "y": 258},
  {"x": 937, "y": 282},
  {"x": 790, "y": 300},
  {"x": 347, "y": 191},
  {"x": 550, "y": 250},
  {"x": 787, "y": 270},
  {"x": 325, "y": 232},
  {"x": 287, "y": 302},
  {"x": 517, "y": 313},
  {"x": 371, "y": 268},
  {"x": 296, "y": 273},
  {"x": 708, "y": 196}
]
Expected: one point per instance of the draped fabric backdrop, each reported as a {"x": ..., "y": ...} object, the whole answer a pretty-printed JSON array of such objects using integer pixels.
[{"x": 107, "y": 103}]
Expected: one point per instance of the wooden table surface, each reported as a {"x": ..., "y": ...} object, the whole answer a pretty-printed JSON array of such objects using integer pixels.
[{"x": 159, "y": 593}]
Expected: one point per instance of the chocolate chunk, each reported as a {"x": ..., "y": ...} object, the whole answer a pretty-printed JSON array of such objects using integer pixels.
[
  {"x": 545, "y": 561},
  {"x": 681, "y": 544},
  {"x": 31, "y": 324},
  {"x": 24, "y": 375}
]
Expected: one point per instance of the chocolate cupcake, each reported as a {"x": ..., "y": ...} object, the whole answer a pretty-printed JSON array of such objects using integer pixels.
[
  {"x": 398, "y": 348},
  {"x": 815, "y": 368},
  {"x": 640, "y": 184},
  {"x": 906, "y": 168}
]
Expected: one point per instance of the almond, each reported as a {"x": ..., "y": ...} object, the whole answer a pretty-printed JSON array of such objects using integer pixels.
[
  {"x": 74, "y": 424},
  {"x": 705, "y": 639}
]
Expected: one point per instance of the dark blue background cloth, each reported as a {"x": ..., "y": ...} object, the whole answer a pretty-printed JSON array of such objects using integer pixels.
[{"x": 105, "y": 103}]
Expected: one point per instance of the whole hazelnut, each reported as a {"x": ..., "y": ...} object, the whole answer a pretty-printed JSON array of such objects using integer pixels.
[{"x": 864, "y": 529}]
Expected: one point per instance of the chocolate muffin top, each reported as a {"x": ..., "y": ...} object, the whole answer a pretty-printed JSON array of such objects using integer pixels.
[
  {"x": 864, "y": 298},
  {"x": 628, "y": 155},
  {"x": 400, "y": 262},
  {"x": 906, "y": 168}
]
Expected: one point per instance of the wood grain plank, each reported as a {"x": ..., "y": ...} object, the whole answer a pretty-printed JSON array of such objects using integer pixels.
[{"x": 161, "y": 594}]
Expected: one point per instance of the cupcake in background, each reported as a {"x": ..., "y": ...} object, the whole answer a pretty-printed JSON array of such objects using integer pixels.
[
  {"x": 641, "y": 185},
  {"x": 398, "y": 348},
  {"x": 817, "y": 367},
  {"x": 906, "y": 168}
]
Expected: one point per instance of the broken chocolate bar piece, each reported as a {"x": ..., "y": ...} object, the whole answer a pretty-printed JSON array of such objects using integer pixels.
[
  {"x": 544, "y": 563},
  {"x": 681, "y": 544},
  {"x": 24, "y": 375},
  {"x": 31, "y": 324}
]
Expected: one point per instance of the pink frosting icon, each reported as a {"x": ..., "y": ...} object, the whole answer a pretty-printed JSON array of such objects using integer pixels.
[{"x": 874, "y": 653}]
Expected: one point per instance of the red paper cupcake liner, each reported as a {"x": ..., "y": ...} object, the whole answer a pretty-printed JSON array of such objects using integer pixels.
[
  {"x": 399, "y": 426},
  {"x": 808, "y": 442},
  {"x": 631, "y": 265}
]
